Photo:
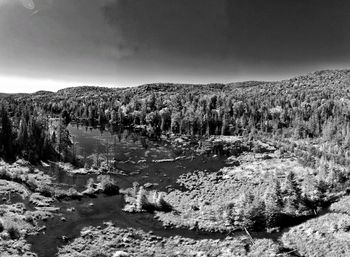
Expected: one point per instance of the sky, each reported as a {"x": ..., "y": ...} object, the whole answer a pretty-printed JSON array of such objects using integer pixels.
[{"x": 52, "y": 44}]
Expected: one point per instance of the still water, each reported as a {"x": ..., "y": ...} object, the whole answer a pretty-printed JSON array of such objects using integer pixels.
[{"x": 127, "y": 149}]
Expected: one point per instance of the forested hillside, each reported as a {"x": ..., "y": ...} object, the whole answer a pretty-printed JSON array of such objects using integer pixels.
[{"x": 313, "y": 107}]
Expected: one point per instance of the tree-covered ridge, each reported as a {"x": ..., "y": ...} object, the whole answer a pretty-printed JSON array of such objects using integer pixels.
[{"x": 310, "y": 106}]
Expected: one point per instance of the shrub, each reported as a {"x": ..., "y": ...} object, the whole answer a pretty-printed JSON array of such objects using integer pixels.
[
  {"x": 32, "y": 183},
  {"x": 73, "y": 193},
  {"x": 46, "y": 190},
  {"x": 108, "y": 185},
  {"x": 13, "y": 230},
  {"x": 135, "y": 186},
  {"x": 1, "y": 226},
  {"x": 142, "y": 202},
  {"x": 28, "y": 217},
  {"x": 90, "y": 183},
  {"x": 264, "y": 247},
  {"x": 161, "y": 204},
  {"x": 4, "y": 174},
  {"x": 157, "y": 203}
]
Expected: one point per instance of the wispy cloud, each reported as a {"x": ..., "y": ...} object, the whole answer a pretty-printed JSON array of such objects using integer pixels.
[{"x": 29, "y": 4}]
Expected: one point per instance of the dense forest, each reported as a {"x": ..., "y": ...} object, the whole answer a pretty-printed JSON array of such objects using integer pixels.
[
  {"x": 314, "y": 107},
  {"x": 27, "y": 135}
]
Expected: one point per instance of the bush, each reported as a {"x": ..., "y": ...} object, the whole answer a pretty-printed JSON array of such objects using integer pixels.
[
  {"x": 28, "y": 217},
  {"x": 135, "y": 187},
  {"x": 32, "y": 183},
  {"x": 90, "y": 183},
  {"x": 4, "y": 174},
  {"x": 161, "y": 204},
  {"x": 157, "y": 203},
  {"x": 142, "y": 202},
  {"x": 1, "y": 226},
  {"x": 264, "y": 247},
  {"x": 13, "y": 230},
  {"x": 73, "y": 193},
  {"x": 108, "y": 185},
  {"x": 46, "y": 190}
]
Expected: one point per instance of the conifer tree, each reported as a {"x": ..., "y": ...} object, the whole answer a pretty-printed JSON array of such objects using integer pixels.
[{"x": 293, "y": 193}]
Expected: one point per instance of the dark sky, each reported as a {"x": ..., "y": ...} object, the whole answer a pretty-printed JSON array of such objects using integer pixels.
[{"x": 131, "y": 42}]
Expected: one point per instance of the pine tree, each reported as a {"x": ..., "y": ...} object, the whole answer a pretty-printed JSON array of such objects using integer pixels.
[
  {"x": 22, "y": 137},
  {"x": 142, "y": 202},
  {"x": 273, "y": 203},
  {"x": 293, "y": 193},
  {"x": 161, "y": 204}
]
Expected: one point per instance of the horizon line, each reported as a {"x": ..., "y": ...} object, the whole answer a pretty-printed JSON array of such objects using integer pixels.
[{"x": 48, "y": 84}]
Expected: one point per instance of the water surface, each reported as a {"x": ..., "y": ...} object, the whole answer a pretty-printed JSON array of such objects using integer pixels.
[{"x": 127, "y": 149}]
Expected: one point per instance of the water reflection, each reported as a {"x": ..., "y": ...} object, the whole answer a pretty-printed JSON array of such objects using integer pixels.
[
  {"x": 127, "y": 148},
  {"x": 118, "y": 145}
]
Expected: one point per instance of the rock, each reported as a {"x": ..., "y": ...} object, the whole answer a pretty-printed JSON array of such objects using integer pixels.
[
  {"x": 85, "y": 232},
  {"x": 120, "y": 254},
  {"x": 153, "y": 238},
  {"x": 130, "y": 208},
  {"x": 164, "y": 160},
  {"x": 233, "y": 162},
  {"x": 63, "y": 219},
  {"x": 41, "y": 229},
  {"x": 195, "y": 207},
  {"x": 126, "y": 240},
  {"x": 5, "y": 235},
  {"x": 149, "y": 185},
  {"x": 89, "y": 192},
  {"x": 91, "y": 204}
]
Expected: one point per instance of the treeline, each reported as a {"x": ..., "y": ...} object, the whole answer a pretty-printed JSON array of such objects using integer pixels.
[{"x": 315, "y": 106}]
